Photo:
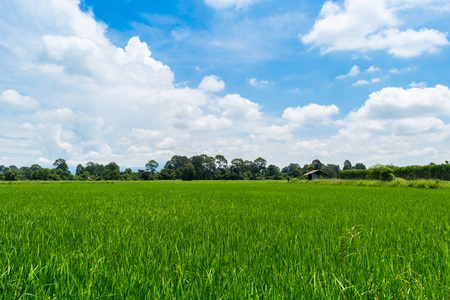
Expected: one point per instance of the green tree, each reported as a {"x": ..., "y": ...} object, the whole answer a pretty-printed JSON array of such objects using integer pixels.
[
  {"x": 42, "y": 174},
  {"x": 347, "y": 165},
  {"x": 238, "y": 167},
  {"x": 273, "y": 172},
  {"x": 187, "y": 172},
  {"x": 359, "y": 166},
  {"x": 35, "y": 167},
  {"x": 221, "y": 162},
  {"x": 12, "y": 175},
  {"x": 293, "y": 170},
  {"x": 2, "y": 169},
  {"x": 79, "y": 170},
  {"x": 260, "y": 164},
  {"x": 176, "y": 162},
  {"x": 25, "y": 173},
  {"x": 151, "y": 166},
  {"x": 332, "y": 170},
  {"x": 317, "y": 165},
  {"x": 112, "y": 166},
  {"x": 166, "y": 174},
  {"x": 61, "y": 165}
]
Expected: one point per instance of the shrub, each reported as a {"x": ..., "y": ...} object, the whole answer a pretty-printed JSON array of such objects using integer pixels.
[
  {"x": 381, "y": 172},
  {"x": 353, "y": 174},
  {"x": 11, "y": 175}
]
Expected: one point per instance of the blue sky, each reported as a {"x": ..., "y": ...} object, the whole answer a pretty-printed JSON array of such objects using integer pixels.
[{"x": 291, "y": 81}]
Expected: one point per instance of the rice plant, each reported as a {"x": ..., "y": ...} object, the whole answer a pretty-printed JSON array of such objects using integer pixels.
[{"x": 223, "y": 240}]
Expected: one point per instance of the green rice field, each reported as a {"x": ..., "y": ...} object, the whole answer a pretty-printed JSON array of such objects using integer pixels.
[{"x": 222, "y": 240}]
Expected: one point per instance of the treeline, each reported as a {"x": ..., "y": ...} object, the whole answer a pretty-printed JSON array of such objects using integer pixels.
[
  {"x": 431, "y": 171},
  {"x": 204, "y": 167}
]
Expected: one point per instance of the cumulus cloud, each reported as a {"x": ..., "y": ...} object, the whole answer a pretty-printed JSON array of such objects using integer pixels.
[
  {"x": 354, "y": 71},
  {"x": 222, "y": 4},
  {"x": 78, "y": 96},
  {"x": 238, "y": 108},
  {"x": 370, "y": 25},
  {"x": 89, "y": 99},
  {"x": 212, "y": 83},
  {"x": 312, "y": 113},
  {"x": 397, "y": 103},
  {"x": 396, "y": 125},
  {"x": 14, "y": 99}
]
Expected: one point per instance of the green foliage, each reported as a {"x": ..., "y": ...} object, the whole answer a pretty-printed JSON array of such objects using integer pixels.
[
  {"x": 381, "y": 172},
  {"x": 12, "y": 175},
  {"x": 166, "y": 174},
  {"x": 354, "y": 174},
  {"x": 188, "y": 172},
  {"x": 151, "y": 166},
  {"x": 60, "y": 164},
  {"x": 433, "y": 171}
]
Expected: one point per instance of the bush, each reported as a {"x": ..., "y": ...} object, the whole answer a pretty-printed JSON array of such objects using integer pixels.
[
  {"x": 11, "y": 175},
  {"x": 353, "y": 174},
  {"x": 381, "y": 172}
]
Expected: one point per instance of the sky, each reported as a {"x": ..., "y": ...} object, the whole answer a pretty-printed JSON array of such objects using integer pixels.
[{"x": 287, "y": 80}]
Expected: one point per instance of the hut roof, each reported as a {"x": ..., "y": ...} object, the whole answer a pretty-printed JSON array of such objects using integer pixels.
[{"x": 316, "y": 171}]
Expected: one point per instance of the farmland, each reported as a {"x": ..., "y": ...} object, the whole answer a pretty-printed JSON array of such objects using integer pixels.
[{"x": 228, "y": 240}]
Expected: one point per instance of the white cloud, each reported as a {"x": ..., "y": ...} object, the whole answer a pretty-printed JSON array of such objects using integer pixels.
[
  {"x": 212, "y": 83},
  {"x": 364, "y": 82},
  {"x": 370, "y": 25},
  {"x": 238, "y": 108},
  {"x": 222, "y": 4},
  {"x": 257, "y": 83},
  {"x": 209, "y": 123},
  {"x": 373, "y": 69},
  {"x": 354, "y": 71},
  {"x": 14, "y": 99},
  {"x": 312, "y": 113},
  {"x": 167, "y": 143},
  {"x": 404, "y": 70},
  {"x": 361, "y": 82},
  {"x": 273, "y": 133},
  {"x": 139, "y": 149},
  {"x": 417, "y": 125},
  {"x": 94, "y": 101},
  {"x": 418, "y": 84},
  {"x": 398, "y": 103},
  {"x": 146, "y": 134}
]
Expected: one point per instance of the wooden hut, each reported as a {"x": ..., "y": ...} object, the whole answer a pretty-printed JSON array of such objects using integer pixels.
[{"x": 316, "y": 174}]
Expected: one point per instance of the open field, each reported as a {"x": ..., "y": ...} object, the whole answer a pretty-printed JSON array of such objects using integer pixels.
[{"x": 229, "y": 240}]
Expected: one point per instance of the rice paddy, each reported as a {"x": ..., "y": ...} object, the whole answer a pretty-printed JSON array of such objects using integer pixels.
[{"x": 223, "y": 240}]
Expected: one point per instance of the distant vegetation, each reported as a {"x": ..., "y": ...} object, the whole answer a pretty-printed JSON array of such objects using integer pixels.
[{"x": 204, "y": 167}]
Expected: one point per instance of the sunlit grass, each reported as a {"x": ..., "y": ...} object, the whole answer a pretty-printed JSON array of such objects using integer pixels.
[{"x": 223, "y": 240}]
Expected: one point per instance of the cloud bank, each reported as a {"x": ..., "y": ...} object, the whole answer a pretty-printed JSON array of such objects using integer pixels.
[
  {"x": 71, "y": 93},
  {"x": 364, "y": 25}
]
